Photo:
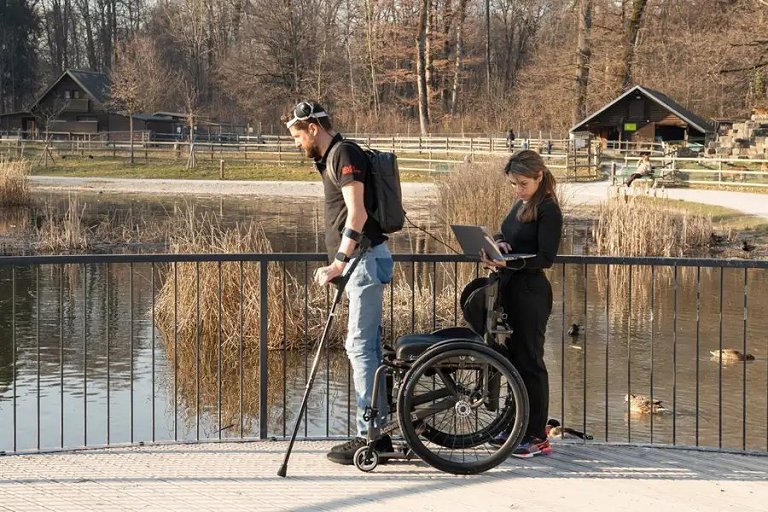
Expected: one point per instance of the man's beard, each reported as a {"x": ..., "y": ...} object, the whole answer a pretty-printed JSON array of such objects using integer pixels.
[{"x": 313, "y": 152}]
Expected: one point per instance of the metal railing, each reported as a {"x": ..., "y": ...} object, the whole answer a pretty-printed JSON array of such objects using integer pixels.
[{"x": 104, "y": 350}]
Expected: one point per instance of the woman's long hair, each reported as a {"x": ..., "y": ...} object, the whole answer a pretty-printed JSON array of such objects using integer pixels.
[{"x": 530, "y": 164}]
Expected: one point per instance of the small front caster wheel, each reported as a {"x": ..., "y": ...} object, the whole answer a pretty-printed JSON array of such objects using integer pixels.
[{"x": 366, "y": 460}]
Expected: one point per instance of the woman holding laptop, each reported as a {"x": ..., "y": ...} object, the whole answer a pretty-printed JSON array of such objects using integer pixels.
[{"x": 533, "y": 225}]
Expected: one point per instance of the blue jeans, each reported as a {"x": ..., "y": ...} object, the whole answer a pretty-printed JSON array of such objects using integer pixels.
[{"x": 365, "y": 291}]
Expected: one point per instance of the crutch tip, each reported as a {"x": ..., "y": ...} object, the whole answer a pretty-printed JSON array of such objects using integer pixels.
[{"x": 282, "y": 471}]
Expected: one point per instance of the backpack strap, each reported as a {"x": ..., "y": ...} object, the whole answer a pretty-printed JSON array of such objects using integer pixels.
[{"x": 329, "y": 161}]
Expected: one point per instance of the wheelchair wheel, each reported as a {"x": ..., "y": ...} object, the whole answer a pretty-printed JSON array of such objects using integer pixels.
[{"x": 456, "y": 398}]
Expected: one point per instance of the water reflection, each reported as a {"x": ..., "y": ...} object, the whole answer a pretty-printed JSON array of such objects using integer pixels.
[{"x": 107, "y": 375}]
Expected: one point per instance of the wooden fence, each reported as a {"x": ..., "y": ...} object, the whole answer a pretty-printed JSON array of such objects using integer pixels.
[{"x": 415, "y": 154}]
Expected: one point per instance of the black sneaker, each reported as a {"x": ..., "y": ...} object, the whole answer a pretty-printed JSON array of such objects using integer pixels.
[{"x": 344, "y": 453}]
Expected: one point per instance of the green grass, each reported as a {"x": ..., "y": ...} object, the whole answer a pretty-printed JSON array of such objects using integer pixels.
[
  {"x": 106, "y": 167},
  {"x": 724, "y": 217}
]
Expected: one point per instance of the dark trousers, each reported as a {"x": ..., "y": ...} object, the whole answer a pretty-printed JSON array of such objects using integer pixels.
[
  {"x": 633, "y": 177},
  {"x": 527, "y": 300}
]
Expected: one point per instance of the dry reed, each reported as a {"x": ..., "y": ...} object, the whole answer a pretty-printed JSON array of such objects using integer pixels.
[
  {"x": 63, "y": 233},
  {"x": 14, "y": 185},
  {"x": 635, "y": 226},
  {"x": 206, "y": 320}
]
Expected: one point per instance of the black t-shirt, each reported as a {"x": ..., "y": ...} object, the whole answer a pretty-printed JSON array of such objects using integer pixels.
[
  {"x": 540, "y": 237},
  {"x": 350, "y": 164}
]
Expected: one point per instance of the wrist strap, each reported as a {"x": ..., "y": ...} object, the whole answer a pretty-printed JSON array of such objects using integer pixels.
[
  {"x": 340, "y": 256},
  {"x": 352, "y": 234}
]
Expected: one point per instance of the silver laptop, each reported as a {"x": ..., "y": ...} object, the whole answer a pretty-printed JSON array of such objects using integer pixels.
[{"x": 475, "y": 238}]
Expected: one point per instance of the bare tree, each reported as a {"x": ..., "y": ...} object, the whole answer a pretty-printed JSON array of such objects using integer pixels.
[
  {"x": 139, "y": 80},
  {"x": 630, "y": 42},
  {"x": 45, "y": 112},
  {"x": 459, "y": 55},
  {"x": 421, "y": 67},
  {"x": 583, "y": 54},
  {"x": 192, "y": 106},
  {"x": 488, "y": 46}
]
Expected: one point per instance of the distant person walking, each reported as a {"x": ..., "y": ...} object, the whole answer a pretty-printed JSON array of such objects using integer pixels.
[{"x": 511, "y": 140}]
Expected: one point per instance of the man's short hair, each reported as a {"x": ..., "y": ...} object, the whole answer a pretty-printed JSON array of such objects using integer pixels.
[{"x": 305, "y": 113}]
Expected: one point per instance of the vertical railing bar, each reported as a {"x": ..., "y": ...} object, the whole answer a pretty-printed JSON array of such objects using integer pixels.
[
  {"x": 584, "y": 357},
  {"x": 241, "y": 377},
  {"x": 674, "y": 356},
  {"x": 130, "y": 295},
  {"x": 61, "y": 353},
  {"x": 653, "y": 304},
  {"x": 218, "y": 351},
  {"x": 306, "y": 340},
  {"x": 13, "y": 350},
  {"x": 85, "y": 356},
  {"x": 455, "y": 293},
  {"x": 263, "y": 349},
  {"x": 37, "y": 344},
  {"x": 607, "y": 340},
  {"x": 629, "y": 360},
  {"x": 720, "y": 370},
  {"x": 154, "y": 419},
  {"x": 109, "y": 355},
  {"x": 392, "y": 309},
  {"x": 698, "y": 340},
  {"x": 175, "y": 351},
  {"x": 562, "y": 347},
  {"x": 744, "y": 371},
  {"x": 197, "y": 350},
  {"x": 285, "y": 346},
  {"x": 413, "y": 296},
  {"x": 434, "y": 295}
]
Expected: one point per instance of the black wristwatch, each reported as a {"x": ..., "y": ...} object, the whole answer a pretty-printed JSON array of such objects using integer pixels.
[{"x": 340, "y": 256}]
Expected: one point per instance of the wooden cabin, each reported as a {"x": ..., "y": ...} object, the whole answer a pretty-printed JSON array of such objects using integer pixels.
[{"x": 645, "y": 115}]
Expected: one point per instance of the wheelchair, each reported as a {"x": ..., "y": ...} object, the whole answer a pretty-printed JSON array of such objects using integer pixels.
[{"x": 452, "y": 391}]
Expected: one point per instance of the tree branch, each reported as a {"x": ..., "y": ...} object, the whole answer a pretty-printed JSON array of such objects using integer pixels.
[{"x": 747, "y": 68}]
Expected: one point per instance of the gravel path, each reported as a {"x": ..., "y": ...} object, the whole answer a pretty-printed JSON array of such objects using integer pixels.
[{"x": 575, "y": 194}]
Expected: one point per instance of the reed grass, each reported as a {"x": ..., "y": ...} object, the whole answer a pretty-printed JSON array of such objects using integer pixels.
[
  {"x": 209, "y": 313},
  {"x": 636, "y": 226},
  {"x": 14, "y": 185},
  {"x": 475, "y": 193},
  {"x": 639, "y": 226},
  {"x": 63, "y": 232}
]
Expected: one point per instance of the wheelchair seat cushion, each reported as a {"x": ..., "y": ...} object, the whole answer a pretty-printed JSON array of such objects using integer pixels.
[{"x": 410, "y": 346}]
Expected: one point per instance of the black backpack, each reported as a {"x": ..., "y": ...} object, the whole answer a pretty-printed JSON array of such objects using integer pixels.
[{"x": 388, "y": 211}]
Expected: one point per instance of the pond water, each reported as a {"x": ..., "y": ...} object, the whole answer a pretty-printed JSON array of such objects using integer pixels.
[{"x": 91, "y": 367}]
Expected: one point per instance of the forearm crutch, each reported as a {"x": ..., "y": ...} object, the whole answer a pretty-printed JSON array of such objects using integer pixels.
[{"x": 340, "y": 283}]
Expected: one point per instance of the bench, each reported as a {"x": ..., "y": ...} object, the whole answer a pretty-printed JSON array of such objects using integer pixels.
[{"x": 658, "y": 177}]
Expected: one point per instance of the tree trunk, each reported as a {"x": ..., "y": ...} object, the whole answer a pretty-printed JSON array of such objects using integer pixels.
[
  {"x": 488, "y": 46},
  {"x": 428, "y": 57},
  {"x": 630, "y": 42},
  {"x": 349, "y": 59},
  {"x": 369, "y": 41},
  {"x": 459, "y": 55},
  {"x": 130, "y": 129},
  {"x": 583, "y": 54},
  {"x": 421, "y": 67}
]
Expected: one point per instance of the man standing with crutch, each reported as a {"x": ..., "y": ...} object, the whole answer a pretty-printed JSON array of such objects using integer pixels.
[{"x": 347, "y": 183}]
